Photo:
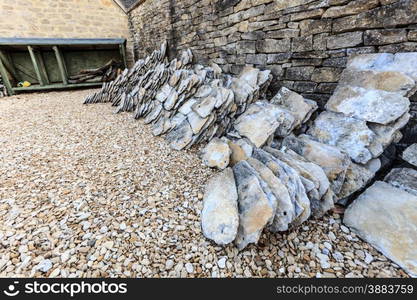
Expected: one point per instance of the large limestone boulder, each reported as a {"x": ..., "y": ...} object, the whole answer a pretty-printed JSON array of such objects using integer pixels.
[
  {"x": 348, "y": 134},
  {"x": 284, "y": 212},
  {"x": 375, "y": 106},
  {"x": 410, "y": 154},
  {"x": 403, "y": 178},
  {"x": 386, "y": 134},
  {"x": 301, "y": 108},
  {"x": 261, "y": 120},
  {"x": 386, "y": 217},
  {"x": 292, "y": 181},
  {"x": 241, "y": 150},
  {"x": 388, "y": 81},
  {"x": 219, "y": 217},
  {"x": 255, "y": 209},
  {"x": 312, "y": 177},
  {"x": 356, "y": 178},
  {"x": 406, "y": 63},
  {"x": 181, "y": 136},
  {"x": 333, "y": 161},
  {"x": 216, "y": 154}
]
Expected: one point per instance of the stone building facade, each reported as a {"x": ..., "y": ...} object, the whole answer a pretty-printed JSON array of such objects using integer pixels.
[
  {"x": 305, "y": 43},
  {"x": 64, "y": 19}
]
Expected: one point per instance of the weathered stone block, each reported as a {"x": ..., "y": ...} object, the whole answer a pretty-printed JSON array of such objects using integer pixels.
[
  {"x": 339, "y": 62},
  {"x": 304, "y": 86},
  {"x": 245, "y": 47},
  {"x": 272, "y": 45},
  {"x": 277, "y": 71},
  {"x": 299, "y": 73},
  {"x": 309, "y": 27},
  {"x": 326, "y": 74},
  {"x": 310, "y": 14},
  {"x": 257, "y": 59},
  {"x": 319, "y": 41},
  {"x": 326, "y": 88},
  {"x": 360, "y": 50},
  {"x": 402, "y": 12},
  {"x": 306, "y": 62},
  {"x": 261, "y": 25},
  {"x": 253, "y": 36},
  {"x": 300, "y": 44},
  {"x": 278, "y": 58},
  {"x": 344, "y": 40},
  {"x": 412, "y": 35},
  {"x": 220, "y": 41},
  {"x": 384, "y": 36},
  {"x": 283, "y": 33},
  {"x": 352, "y": 8},
  {"x": 395, "y": 48}
]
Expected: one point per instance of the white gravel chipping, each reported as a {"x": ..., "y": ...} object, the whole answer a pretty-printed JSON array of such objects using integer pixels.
[{"x": 87, "y": 193}]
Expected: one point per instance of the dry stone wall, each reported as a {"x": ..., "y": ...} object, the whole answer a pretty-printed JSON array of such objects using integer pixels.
[{"x": 305, "y": 43}]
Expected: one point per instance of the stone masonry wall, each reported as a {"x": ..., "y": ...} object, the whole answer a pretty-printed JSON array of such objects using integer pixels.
[
  {"x": 64, "y": 19},
  {"x": 304, "y": 42}
]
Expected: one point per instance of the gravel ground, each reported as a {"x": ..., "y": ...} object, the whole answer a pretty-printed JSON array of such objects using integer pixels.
[{"x": 86, "y": 193}]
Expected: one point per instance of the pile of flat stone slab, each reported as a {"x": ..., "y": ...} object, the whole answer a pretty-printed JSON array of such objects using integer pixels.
[
  {"x": 276, "y": 179},
  {"x": 281, "y": 162},
  {"x": 188, "y": 103}
]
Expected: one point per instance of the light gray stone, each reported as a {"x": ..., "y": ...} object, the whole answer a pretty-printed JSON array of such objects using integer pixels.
[
  {"x": 219, "y": 217},
  {"x": 180, "y": 136},
  {"x": 386, "y": 217},
  {"x": 403, "y": 178},
  {"x": 291, "y": 179},
  {"x": 284, "y": 212},
  {"x": 261, "y": 120},
  {"x": 296, "y": 104},
  {"x": 348, "y": 134},
  {"x": 216, "y": 154},
  {"x": 356, "y": 178},
  {"x": 410, "y": 154},
  {"x": 375, "y": 106},
  {"x": 255, "y": 210},
  {"x": 333, "y": 161}
]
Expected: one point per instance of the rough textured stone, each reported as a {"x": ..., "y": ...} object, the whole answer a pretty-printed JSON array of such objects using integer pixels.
[
  {"x": 386, "y": 217},
  {"x": 291, "y": 179},
  {"x": 384, "y": 36},
  {"x": 344, "y": 40},
  {"x": 296, "y": 104},
  {"x": 261, "y": 120},
  {"x": 375, "y": 106},
  {"x": 349, "y": 134},
  {"x": 255, "y": 210},
  {"x": 219, "y": 217},
  {"x": 310, "y": 27},
  {"x": 410, "y": 154},
  {"x": 216, "y": 154},
  {"x": 333, "y": 162},
  {"x": 351, "y": 8},
  {"x": 403, "y": 178},
  {"x": 241, "y": 150},
  {"x": 304, "y": 43},
  {"x": 400, "y": 13},
  {"x": 356, "y": 178},
  {"x": 273, "y": 45},
  {"x": 388, "y": 81},
  {"x": 299, "y": 73},
  {"x": 284, "y": 213},
  {"x": 326, "y": 74}
]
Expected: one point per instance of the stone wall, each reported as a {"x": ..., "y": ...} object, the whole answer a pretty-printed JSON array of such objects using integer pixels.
[
  {"x": 304, "y": 42},
  {"x": 64, "y": 19}
]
